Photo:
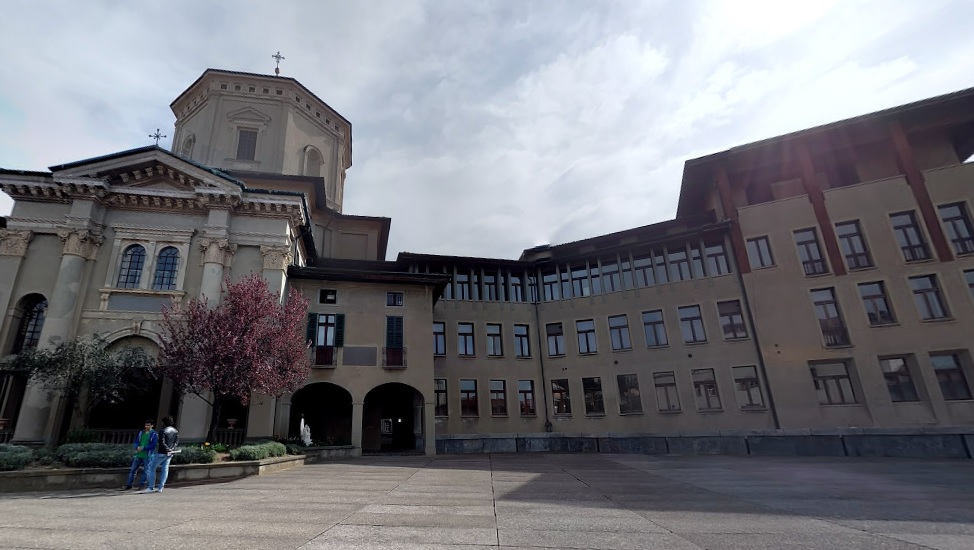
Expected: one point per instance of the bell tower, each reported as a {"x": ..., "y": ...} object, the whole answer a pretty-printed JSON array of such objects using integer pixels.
[{"x": 262, "y": 124}]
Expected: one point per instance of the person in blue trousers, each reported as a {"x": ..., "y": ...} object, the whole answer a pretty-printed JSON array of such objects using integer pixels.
[
  {"x": 168, "y": 442},
  {"x": 145, "y": 447}
]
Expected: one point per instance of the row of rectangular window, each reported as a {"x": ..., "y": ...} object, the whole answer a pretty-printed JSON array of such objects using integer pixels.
[
  {"x": 600, "y": 276},
  {"x": 329, "y": 296},
  {"x": 907, "y": 232},
  {"x": 654, "y": 329},
  {"x": 927, "y": 296},
  {"x": 834, "y": 386},
  {"x": 706, "y": 393},
  {"x": 327, "y": 332}
]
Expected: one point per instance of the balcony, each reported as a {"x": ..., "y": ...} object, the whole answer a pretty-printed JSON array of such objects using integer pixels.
[
  {"x": 835, "y": 336},
  {"x": 963, "y": 245},
  {"x": 915, "y": 252},
  {"x": 394, "y": 358},
  {"x": 815, "y": 267},
  {"x": 324, "y": 356},
  {"x": 859, "y": 260}
]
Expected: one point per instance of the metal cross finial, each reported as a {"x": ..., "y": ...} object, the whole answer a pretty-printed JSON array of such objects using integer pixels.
[
  {"x": 157, "y": 136},
  {"x": 278, "y": 57}
]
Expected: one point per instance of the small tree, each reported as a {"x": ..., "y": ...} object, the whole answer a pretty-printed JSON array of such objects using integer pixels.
[
  {"x": 249, "y": 343},
  {"x": 85, "y": 371}
]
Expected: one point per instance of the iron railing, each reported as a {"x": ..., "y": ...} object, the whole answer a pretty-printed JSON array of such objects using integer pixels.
[
  {"x": 394, "y": 357},
  {"x": 324, "y": 356}
]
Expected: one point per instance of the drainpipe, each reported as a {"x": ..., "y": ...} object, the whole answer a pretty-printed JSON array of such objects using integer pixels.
[
  {"x": 544, "y": 393},
  {"x": 757, "y": 343}
]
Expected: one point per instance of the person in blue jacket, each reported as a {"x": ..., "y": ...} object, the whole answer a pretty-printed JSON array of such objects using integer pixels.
[{"x": 145, "y": 448}]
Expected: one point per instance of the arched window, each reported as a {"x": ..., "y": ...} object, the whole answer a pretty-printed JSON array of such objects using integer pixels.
[
  {"x": 165, "y": 278},
  {"x": 188, "y": 144},
  {"x": 29, "y": 333},
  {"x": 131, "y": 271},
  {"x": 312, "y": 162}
]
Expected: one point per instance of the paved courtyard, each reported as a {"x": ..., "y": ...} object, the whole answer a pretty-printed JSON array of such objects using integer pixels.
[{"x": 527, "y": 501}]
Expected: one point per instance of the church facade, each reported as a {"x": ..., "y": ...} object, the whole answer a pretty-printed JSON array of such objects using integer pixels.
[{"x": 813, "y": 281}]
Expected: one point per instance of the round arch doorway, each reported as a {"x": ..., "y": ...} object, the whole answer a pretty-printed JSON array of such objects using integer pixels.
[
  {"x": 327, "y": 409},
  {"x": 392, "y": 419}
]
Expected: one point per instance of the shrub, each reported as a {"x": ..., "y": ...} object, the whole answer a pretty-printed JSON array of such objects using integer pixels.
[
  {"x": 95, "y": 455},
  {"x": 195, "y": 455},
  {"x": 258, "y": 451},
  {"x": 81, "y": 435},
  {"x": 14, "y": 457},
  {"x": 44, "y": 456},
  {"x": 294, "y": 449},
  {"x": 104, "y": 455},
  {"x": 219, "y": 448}
]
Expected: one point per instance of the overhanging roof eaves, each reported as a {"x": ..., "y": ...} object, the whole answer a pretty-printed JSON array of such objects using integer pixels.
[
  {"x": 698, "y": 167},
  {"x": 367, "y": 275},
  {"x": 411, "y": 257}
]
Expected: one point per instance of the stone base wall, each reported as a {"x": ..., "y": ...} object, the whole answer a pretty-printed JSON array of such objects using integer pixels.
[
  {"x": 113, "y": 478},
  {"x": 318, "y": 454},
  {"x": 933, "y": 443}
]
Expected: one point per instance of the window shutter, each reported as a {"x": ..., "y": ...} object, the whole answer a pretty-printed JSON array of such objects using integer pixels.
[
  {"x": 394, "y": 332},
  {"x": 311, "y": 335},
  {"x": 339, "y": 330}
]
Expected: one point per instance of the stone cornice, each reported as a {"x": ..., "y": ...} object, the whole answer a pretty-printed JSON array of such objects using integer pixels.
[
  {"x": 14, "y": 242},
  {"x": 160, "y": 233}
]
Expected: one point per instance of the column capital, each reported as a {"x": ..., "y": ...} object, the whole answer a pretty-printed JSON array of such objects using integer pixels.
[
  {"x": 80, "y": 242},
  {"x": 14, "y": 242},
  {"x": 217, "y": 251},
  {"x": 276, "y": 257}
]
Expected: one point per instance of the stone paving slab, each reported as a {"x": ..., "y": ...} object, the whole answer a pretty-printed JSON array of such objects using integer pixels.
[{"x": 606, "y": 502}]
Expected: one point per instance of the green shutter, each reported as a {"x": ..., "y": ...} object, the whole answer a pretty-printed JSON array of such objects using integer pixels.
[
  {"x": 312, "y": 327},
  {"x": 339, "y": 330},
  {"x": 394, "y": 332}
]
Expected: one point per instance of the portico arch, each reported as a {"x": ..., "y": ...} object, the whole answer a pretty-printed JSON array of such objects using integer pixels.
[
  {"x": 327, "y": 408},
  {"x": 392, "y": 419},
  {"x": 150, "y": 398}
]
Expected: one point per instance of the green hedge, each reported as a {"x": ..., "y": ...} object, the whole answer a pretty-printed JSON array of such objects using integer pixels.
[
  {"x": 258, "y": 451},
  {"x": 194, "y": 455},
  {"x": 15, "y": 457},
  {"x": 95, "y": 455},
  {"x": 104, "y": 455}
]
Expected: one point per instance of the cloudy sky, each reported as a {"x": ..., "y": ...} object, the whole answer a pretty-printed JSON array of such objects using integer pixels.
[{"x": 483, "y": 128}]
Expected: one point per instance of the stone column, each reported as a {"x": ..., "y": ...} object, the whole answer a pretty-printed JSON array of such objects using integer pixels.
[
  {"x": 260, "y": 417},
  {"x": 283, "y": 416},
  {"x": 358, "y": 410},
  {"x": 276, "y": 261},
  {"x": 262, "y": 407},
  {"x": 217, "y": 254},
  {"x": 429, "y": 427},
  {"x": 36, "y": 423},
  {"x": 13, "y": 248},
  {"x": 194, "y": 417}
]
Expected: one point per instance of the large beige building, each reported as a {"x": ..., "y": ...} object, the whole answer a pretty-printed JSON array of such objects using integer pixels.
[{"x": 811, "y": 283}]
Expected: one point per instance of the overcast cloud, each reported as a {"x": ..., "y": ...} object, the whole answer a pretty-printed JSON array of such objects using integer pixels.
[{"x": 484, "y": 128}]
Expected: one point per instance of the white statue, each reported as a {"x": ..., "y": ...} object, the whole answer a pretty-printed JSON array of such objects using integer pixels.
[{"x": 305, "y": 433}]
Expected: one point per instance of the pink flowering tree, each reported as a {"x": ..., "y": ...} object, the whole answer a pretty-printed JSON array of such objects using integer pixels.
[{"x": 249, "y": 343}]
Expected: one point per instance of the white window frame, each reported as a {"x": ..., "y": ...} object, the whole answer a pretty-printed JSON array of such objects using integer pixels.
[{"x": 153, "y": 240}]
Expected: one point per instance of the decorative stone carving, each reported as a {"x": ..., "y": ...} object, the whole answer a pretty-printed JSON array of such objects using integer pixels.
[
  {"x": 14, "y": 242},
  {"x": 80, "y": 242},
  {"x": 217, "y": 251},
  {"x": 276, "y": 257}
]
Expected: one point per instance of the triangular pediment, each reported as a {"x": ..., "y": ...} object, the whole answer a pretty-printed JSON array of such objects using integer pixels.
[
  {"x": 248, "y": 114},
  {"x": 150, "y": 169}
]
